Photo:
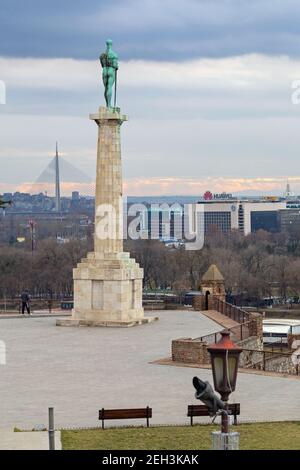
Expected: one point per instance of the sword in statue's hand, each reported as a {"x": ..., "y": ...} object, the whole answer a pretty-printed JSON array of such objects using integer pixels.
[{"x": 115, "y": 101}]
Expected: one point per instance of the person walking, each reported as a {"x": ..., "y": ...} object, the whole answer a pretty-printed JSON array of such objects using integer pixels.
[{"x": 25, "y": 299}]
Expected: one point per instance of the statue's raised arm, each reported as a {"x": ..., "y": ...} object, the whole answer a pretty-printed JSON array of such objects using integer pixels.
[{"x": 109, "y": 63}]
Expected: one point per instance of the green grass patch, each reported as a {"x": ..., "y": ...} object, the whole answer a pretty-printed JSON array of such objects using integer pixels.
[{"x": 256, "y": 436}]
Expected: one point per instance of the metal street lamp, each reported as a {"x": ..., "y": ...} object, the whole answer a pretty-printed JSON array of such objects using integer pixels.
[{"x": 225, "y": 359}]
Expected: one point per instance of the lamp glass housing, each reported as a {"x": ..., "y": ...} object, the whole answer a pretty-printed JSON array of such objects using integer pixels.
[
  {"x": 218, "y": 368},
  {"x": 224, "y": 359},
  {"x": 232, "y": 368}
]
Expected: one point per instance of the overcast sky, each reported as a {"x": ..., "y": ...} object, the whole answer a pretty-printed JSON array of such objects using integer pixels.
[{"x": 207, "y": 86}]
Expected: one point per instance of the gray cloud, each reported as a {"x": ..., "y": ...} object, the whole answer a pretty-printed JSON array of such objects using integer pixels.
[
  {"x": 225, "y": 117},
  {"x": 207, "y": 118},
  {"x": 152, "y": 29}
]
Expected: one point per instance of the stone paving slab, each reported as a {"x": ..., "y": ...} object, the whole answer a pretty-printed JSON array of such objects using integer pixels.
[
  {"x": 80, "y": 370},
  {"x": 10, "y": 440}
]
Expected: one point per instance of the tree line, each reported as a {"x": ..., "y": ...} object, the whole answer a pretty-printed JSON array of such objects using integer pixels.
[{"x": 258, "y": 265}]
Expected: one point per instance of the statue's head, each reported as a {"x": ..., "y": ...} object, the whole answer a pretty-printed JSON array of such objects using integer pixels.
[{"x": 108, "y": 42}]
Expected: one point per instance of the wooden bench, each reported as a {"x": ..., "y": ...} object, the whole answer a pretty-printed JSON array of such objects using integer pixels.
[
  {"x": 202, "y": 410},
  {"x": 130, "y": 413}
]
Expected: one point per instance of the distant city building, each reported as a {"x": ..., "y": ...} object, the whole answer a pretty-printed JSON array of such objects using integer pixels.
[
  {"x": 289, "y": 219},
  {"x": 75, "y": 196},
  {"x": 7, "y": 197},
  {"x": 158, "y": 221},
  {"x": 288, "y": 192},
  {"x": 41, "y": 203},
  {"x": 247, "y": 216},
  {"x": 293, "y": 203},
  {"x": 222, "y": 212},
  {"x": 171, "y": 221}
]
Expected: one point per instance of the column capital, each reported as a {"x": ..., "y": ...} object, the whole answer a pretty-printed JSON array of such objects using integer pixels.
[{"x": 108, "y": 114}]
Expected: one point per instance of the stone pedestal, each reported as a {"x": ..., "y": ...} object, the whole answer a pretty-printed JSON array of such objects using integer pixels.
[{"x": 108, "y": 283}]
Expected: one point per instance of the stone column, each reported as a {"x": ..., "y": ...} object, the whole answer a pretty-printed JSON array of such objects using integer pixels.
[
  {"x": 108, "y": 284},
  {"x": 108, "y": 200}
]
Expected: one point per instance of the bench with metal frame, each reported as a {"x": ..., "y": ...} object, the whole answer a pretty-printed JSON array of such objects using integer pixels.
[
  {"x": 202, "y": 410},
  {"x": 126, "y": 413}
]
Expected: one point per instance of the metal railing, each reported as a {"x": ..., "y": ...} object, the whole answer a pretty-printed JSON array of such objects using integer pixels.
[
  {"x": 276, "y": 343},
  {"x": 237, "y": 333},
  {"x": 270, "y": 359},
  {"x": 232, "y": 311},
  {"x": 15, "y": 305},
  {"x": 264, "y": 360}
]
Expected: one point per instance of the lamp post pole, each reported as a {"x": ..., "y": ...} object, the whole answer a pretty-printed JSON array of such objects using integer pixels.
[
  {"x": 225, "y": 413},
  {"x": 224, "y": 360},
  {"x": 225, "y": 420}
]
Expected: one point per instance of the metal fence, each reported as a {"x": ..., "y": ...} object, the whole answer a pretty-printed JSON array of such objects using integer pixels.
[
  {"x": 278, "y": 342},
  {"x": 15, "y": 305},
  {"x": 235, "y": 313},
  {"x": 270, "y": 361},
  {"x": 237, "y": 333}
]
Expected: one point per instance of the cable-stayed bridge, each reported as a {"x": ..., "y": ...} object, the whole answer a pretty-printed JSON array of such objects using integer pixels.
[
  {"x": 67, "y": 173},
  {"x": 61, "y": 177}
]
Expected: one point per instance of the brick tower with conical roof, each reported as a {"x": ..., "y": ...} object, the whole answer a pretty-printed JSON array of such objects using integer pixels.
[{"x": 213, "y": 283}]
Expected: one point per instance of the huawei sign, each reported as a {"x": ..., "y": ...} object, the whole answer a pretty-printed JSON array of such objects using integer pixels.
[{"x": 208, "y": 196}]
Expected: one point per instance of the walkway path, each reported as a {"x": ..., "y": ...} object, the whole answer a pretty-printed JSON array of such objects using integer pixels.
[
  {"x": 80, "y": 370},
  {"x": 10, "y": 440},
  {"x": 219, "y": 318},
  {"x": 35, "y": 314}
]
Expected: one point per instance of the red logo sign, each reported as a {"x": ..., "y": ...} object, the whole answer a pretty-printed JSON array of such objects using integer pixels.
[{"x": 208, "y": 196}]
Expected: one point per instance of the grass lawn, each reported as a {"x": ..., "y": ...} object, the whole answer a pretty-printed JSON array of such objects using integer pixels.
[{"x": 281, "y": 435}]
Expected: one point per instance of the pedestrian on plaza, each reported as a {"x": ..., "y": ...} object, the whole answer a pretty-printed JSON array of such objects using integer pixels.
[{"x": 25, "y": 299}]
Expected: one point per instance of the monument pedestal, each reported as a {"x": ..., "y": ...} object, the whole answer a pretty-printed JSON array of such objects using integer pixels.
[
  {"x": 107, "y": 292},
  {"x": 108, "y": 284}
]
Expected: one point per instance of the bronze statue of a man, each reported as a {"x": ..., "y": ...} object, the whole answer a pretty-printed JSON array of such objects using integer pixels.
[{"x": 109, "y": 63}]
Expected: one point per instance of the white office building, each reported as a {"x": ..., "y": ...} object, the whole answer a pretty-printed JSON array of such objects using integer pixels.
[{"x": 244, "y": 215}]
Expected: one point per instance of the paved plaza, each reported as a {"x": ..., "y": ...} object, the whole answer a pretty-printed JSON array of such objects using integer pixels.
[
  {"x": 79, "y": 370},
  {"x": 10, "y": 440}
]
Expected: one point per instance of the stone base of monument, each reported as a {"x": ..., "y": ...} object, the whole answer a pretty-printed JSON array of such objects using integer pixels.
[
  {"x": 112, "y": 324},
  {"x": 107, "y": 292}
]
